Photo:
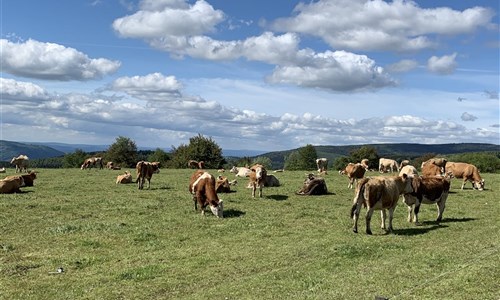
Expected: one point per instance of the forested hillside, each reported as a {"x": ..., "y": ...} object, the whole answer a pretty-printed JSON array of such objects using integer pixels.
[{"x": 10, "y": 149}]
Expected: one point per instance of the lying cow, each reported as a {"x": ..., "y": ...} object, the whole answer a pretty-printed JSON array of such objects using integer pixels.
[
  {"x": 379, "y": 193},
  {"x": 467, "y": 172},
  {"x": 427, "y": 190},
  {"x": 202, "y": 187},
  {"x": 28, "y": 179},
  {"x": 353, "y": 172},
  {"x": 240, "y": 171},
  {"x": 271, "y": 181},
  {"x": 11, "y": 185},
  {"x": 124, "y": 178},
  {"x": 222, "y": 185},
  {"x": 313, "y": 185},
  {"x": 145, "y": 171},
  {"x": 257, "y": 176}
]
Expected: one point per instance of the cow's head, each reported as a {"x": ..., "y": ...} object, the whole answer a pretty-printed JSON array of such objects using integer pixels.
[
  {"x": 259, "y": 171},
  {"x": 218, "y": 210},
  {"x": 407, "y": 180},
  {"x": 479, "y": 184}
]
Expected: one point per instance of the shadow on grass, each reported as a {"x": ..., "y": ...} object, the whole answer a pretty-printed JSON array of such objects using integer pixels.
[
  {"x": 233, "y": 213},
  {"x": 417, "y": 230},
  {"x": 448, "y": 220},
  {"x": 277, "y": 197}
]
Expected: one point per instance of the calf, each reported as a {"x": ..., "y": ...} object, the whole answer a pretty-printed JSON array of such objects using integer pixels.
[
  {"x": 313, "y": 185},
  {"x": 124, "y": 178},
  {"x": 202, "y": 187},
  {"x": 378, "y": 193},
  {"x": 467, "y": 172},
  {"x": 11, "y": 185},
  {"x": 353, "y": 172},
  {"x": 145, "y": 171},
  {"x": 258, "y": 176},
  {"x": 427, "y": 190}
]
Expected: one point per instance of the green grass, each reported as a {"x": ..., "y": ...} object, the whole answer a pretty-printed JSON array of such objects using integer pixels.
[{"x": 116, "y": 242}]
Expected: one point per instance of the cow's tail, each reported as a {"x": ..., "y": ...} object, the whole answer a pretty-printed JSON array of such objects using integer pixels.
[{"x": 359, "y": 198}]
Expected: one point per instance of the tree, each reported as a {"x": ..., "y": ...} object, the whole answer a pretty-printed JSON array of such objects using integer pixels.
[
  {"x": 200, "y": 148},
  {"x": 263, "y": 160},
  {"x": 160, "y": 156},
  {"x": 365, "y": 152},
  {"x": 341, "y": 162},
  {"x": 292, "y": 161},
  {"x": 302, "y": 159},
  {"x": 74, "y": 159},
  {"x": 123, "y": 152}
]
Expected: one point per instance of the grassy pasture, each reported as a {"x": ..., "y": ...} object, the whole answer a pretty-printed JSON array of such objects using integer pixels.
[{"x": 116, "y": 242}]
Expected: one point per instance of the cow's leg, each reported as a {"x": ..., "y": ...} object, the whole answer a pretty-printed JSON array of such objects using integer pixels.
[
  {"x": 368, "y": 218},
  {"x": 351, "y": 181},
  {"x": 254, "y": 188},
  {"x": 410, "y": 212},
  {"x": 355, "y": 216},
  {"x": 382, "y": 218},
  {"x": 149, "y": 183},
  {"x": 440, "y": 205},
  {"x": 391, "y": 215},
  {"x": 415, "y": 213},
  {"x": 260, "y": 191},
  {"x": 463, "y": 183}
]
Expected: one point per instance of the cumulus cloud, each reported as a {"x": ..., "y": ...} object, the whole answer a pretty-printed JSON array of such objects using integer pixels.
[
  {"x": 380, "y": 25},
  {"x": 443, "y": 65},
  {"x": 154, "y": 86},
  {"x": 402, "y": 66},
  {"x": 468, "y": 117},
  {"x": 34, "y": 59},
  {"x": 12, "y": 90}
]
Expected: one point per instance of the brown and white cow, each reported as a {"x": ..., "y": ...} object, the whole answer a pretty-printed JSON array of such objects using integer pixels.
[
  {"x": 28, "y": 179},
  {"x": 322, "y": 164},
  {"x": 21, "y": 162},
  {"x": 353, "y": 172},
  {"x": 468, "y": 172},
  {"x": 430, "y": 169},
  {"x": 11, "y": 185},
  {"x": 202, "y": 187},
  {"x": 145, "y": 171},
  {"x": 257, "y": 176},
  {"x": 427, "y": 190},
  {"x": 92, "y": 162},
  {"x": 240, "y": 171},
  {"x": 379, "y": 193},
  {"x": 222, "y": 185},
  {"x": 364, "y": 162},
  {"x": 124, "y": 178},
  {"x": 386, "y": 164},
  {"x": 193, "y": 164},
  {"x": 408, "y": 170},
  {"x": 313, "y": 185}
]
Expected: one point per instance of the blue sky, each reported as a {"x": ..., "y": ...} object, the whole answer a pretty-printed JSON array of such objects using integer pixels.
[{"x": 257, "y": 75}]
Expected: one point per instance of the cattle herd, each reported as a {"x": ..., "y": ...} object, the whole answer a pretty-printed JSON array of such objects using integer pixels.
[{"x": 375, "y": 193}]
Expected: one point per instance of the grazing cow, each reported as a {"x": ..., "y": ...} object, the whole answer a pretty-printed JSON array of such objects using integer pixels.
[
  {"x": 440, "y": 162},
  {"x": 240, "y": 171},
  {"x": 202, "y": 187},
  {"x": 222, "y": 185},
  {"x": 92, "y": 162},
  {"x": 467, "y": 172},
  {"x": 429, "y": 170},
  {"x": 322, "y": 164},
  {"x": 364, "y": 163},
  {"x": 408, "y": 170},
  {"x": 193, "y": 164},
  {"x": 384, "y": 164},
  {"x": 11, "y": 185},
  {"x": 28, "y": 179},
  {"x": 124, "y": 178},
  {"x": 313, "y": 185},
  {"x": 257, "y": 176},
  {"x": 145, "y": 170},
  {"x": 21, "y": 162},
  {"x": 353, "y": 172},
  {"x": 427, "y": 190},
  {"x": 379, "y": 193}
]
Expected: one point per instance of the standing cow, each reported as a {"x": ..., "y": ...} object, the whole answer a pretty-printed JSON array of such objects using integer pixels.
[
  {"x": 427, "y": 190},
  {"x": 258, "y": 176},
  {"x": 379, "y": 193},
  {"x": 467, "y": 172},
  {"x": 145, "y": 171},
  {"x": 202, "y": 187},
  {"x": 21, "y": 162},
  {"x": 353, "y": 172},
  {"x": 322, "y": 164},
  {"x": 386, "y": 164}
]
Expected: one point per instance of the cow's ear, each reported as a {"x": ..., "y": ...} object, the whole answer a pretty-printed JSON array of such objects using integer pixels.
[{"x": 405, "y": 176}]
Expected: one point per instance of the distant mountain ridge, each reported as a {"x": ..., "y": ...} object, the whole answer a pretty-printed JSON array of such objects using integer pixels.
[{"x": 9, "y": 149}]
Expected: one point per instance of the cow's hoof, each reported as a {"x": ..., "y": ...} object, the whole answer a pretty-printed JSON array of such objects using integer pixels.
[
  {"x": 354, "y": 230},
  {"x": 369, "y": 232}
]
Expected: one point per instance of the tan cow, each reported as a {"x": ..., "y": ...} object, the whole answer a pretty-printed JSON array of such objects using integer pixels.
[
  {"x": 145, "y": 171},
  {"x": 408, "y": 170},
  {"x": 92, "y": 162},
  {"x": 467, "y": 172},
  {"x": 313, "y": 185},
  {"x": 258, "y": 176},
  {"x": 222, "y": 185},
  {"x": 202, "y": 187},
  {"x": 440, "y": 162},
  {"x": 429, "y": 170},
  {"x": 386, "y": 164},
  {"x": 427, "y": 190},
  {"x": 28, "y": 179},
  {"x": 240, "y": 171},
  {"x": 353, "y": 172},
  {"x": 378, "y": 193},
  {"x": 364, "y": 162},
  {"x": 11, "y": 185},
  {"x": 21, "y": 162},
  {"x": 124, "y": 178}
]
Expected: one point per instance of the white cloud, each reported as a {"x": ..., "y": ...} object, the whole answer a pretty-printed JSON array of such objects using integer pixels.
[
  {"x": 380, "y": 25},
  {"x": 21, "y": 91},
  {"x": 443, "y": 65},
  {"x": 154, "y": 86},
  {"x": 468, "y": 117},
  {"x": 34, "y": 59},
  {"x": 402, "y": 66}
]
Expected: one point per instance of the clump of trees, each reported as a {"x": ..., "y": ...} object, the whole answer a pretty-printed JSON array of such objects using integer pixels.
[
  {"x": 356, "y": 155},
  {"x": 200, "y": 148},
  {"x": 302, "y": 159}
]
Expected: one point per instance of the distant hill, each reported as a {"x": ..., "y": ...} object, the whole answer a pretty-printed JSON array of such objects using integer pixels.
[{"x": 10, "y": 149}]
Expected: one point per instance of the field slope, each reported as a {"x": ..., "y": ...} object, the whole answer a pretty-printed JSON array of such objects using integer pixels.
[{"x": 116, "y": 242}]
